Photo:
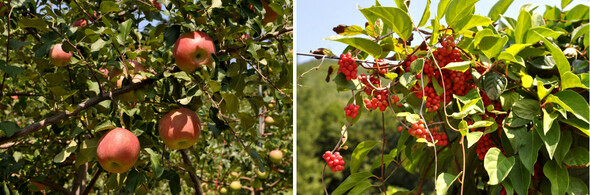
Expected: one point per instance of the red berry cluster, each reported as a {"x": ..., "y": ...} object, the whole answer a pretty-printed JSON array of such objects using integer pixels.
[
  {"x": 379, "y": 98},
  {"x": 352, "y": 110},
  {"x": 432, "y": 99},
  {"x": 418, "y": 130},
  {"x": 483, "y": 145},
  {"x": 347, "y": 66},
  {"x": 377, "y": 65},
  {"x": 334, "y": 161},
  {"x": 441, "y": 138}
]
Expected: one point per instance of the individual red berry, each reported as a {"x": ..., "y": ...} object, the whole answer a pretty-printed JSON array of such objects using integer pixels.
[{"x": 400, "y": 128}]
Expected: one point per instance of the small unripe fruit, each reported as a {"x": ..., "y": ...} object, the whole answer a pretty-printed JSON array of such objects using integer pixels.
[
  {"x": 223, "y": 191},
  {"x": 235, "y": 185},
  {"x": 276, "y": 156},
  {"x": 261, "y": 175},
  {"x": 269, "y": 120}
]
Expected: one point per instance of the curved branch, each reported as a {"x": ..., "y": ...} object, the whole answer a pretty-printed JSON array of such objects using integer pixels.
[
  {"x": 56, "y": 187},
  {"x": 80, "y": 107},
  {"x": 192, "y": 175}
]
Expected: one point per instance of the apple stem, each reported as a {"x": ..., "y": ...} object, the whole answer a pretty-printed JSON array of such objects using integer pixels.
[{"x": 192, "y": 175}]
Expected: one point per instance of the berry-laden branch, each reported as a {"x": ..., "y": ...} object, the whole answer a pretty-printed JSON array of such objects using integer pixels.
[{"x": 80, "y": 107}]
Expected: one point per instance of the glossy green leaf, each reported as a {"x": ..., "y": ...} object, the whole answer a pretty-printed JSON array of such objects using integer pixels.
[
  {"x": 526, "y": 108},
  {"x": 562, "y": 63},
  {"x": 522, "y": 26},
  {"x": 517, "y": 137},
  {"x": 155, "y": 162},
  {"x": 9, "y": 128},
  {"x": 543, "y": 31},
  {"x": 473, "y": 137},
  {"x": 572, "y": 102},
  {"x": 363, "y": 44},
  {"x": 360, "y": 188},
  {"x": 497, "y": 165},
  {"x": 577, "y": 123},
  {"x": 442, "y": 8},
  {"x": 124, "y": 30},
  {"x": 529, "y": 152},
  {"x": 577, "y": 186},
  {"x": 577, "y": 156},
  {"x": 551, "y": 139},
  {"x": 558, "y": 176},
  {"x": 458, "y": 66},
  {"x": 565, "y": 141},
  {"x": 458, "y": 9},
  {"x": 548, "y": 120},
  {"x": 565, "y": 3},
  {"x": 398, "y": 20},
  {"x": 520, "y": 178},
  {"x": 359, "y": 154},
  {"x": 37, "y": 23},
  {"x": 61, "y": 157},
  {"x": 579, "y": 12},
  {"x": 425, "y": 14},
  {"x": 352, "y": 30},
  {"x": 499, "y": 8},
  {"x": 570, "y": 80},
  {"x": 351, "y": 181},
  {"x": 491, "y": 46},
  {"x": 444, "y": 181},
  {"x": 494, "y": 84},
  {"x": 579, "y": 31}
]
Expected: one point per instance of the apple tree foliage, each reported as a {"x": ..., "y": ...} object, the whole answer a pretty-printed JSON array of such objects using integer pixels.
[
  {"x": 52, "y": 117},
  {"x": 518, "y": 123}
]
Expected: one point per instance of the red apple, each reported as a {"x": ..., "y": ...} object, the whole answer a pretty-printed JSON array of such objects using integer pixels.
[
  {"x": 117, "y": 150},
  {"x": 136, "y": 78},
  {"x": 276, "y": 156},
  {"x": 180, "y": 128},
  {"x": 81, "y": 23},
  {"x": 58, "y": 56},
  {"x": 192, "y": 50}
]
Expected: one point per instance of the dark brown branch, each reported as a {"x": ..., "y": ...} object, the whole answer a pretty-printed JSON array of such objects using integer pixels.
[
  {"x": 192, "y": 175},
  {"x": 55, "y": 187},
  {"x": 92, "y": 182},
  {"x": 82, "y": 106}
]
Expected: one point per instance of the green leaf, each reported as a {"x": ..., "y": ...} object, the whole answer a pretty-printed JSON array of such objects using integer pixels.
[
  {"x": 526, "y": 108},
  {"x": 570, "y": 80},
  {"x": 12, "y": 70},
  {"x": 344, "y": 84},
  {"x": 522, "y": 26},
  {"x": 577, "y": 186},
  {"x": 442, "y": 8},
  {"x": 551, "y": 139},
  {"x": 557, "y": 175},
  {"x": 577, "y": 156},
  {"x": 564, "y": 3},
  {"x": 561, "y": 61},
  {"x": 476, "y": 20},
  {"x": 397, "y": 19},
  {"x": 37, "y": 23},
  {"x": 9, "y": 128},
  {"x": 99, "y": 44},
  {"x": 529, "y": 152},
  {"x": 579, "y": 12},
  {"x": 425, "y": 15},
  {"x": 351, "y": 181},
  {"x": 508, "y": 99},
  {"x": 61, "y": 157},
  {"x": 352, "y": 30},
  {"x": 473, "y": 137},
  {"x": 124, "y": 30},
  {"x": 109, "y": 6},
  {"x": 499, "y": 8},
  {"x": 155, "y": 163},
  {"x": 517, "y": 137},
  {"x": 565, "y": 141},
  {"x": 541, "y": 91},
  {"x": 479, "y": 124},
  {"x": 494, "y": 84},
  {"x": 458, "y": 66},
  {"x": 16, "y": 4},
  {"x": 359, "y": 154},
  {"x": 520, "y": 178},
  {"x": 458, "y": 9},
  {"x": 491, "y": 46},
  {"x": 572, "y": 102},
  {"x": 106, "y": 125},
  {"x": 577, "y": 123},
  {"x": 231, "y": 102},
  {"x": 548, "y": 120},
  {"x": 497, "y": 165},
  {"x": 363, "y": 44},
  {"x": 543, "y": 31},
  {"x": 435, "y": 28},
  {"x": 579, "y": 31},
  {"x": 360, "y": 188},
  {"x": 408, "y": 80},
  {"x": 444, "y": 181}
]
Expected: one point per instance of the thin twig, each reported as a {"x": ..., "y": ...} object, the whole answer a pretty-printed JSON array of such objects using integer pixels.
[
  {"x": 92, "y": 182},
  {"x": 192, "y": 175}
]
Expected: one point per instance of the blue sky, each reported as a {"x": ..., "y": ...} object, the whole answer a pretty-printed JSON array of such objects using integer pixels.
[{"x": 315, "y": 19}]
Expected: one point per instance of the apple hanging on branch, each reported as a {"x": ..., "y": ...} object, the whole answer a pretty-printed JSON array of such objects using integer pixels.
[
  {"x": 276, "y": 156},
  {"x": 117, "y": 150},
  {"x": 192, "y": 50},
  {"x": 58, "y": 56},
  {"x": 136, "y": 78},
  {"x": 180, "y": 128}
]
